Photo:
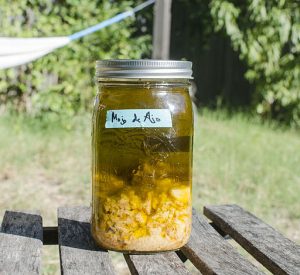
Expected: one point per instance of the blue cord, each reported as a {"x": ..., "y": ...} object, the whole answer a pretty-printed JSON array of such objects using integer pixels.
[{"x": 110, "y": 21}]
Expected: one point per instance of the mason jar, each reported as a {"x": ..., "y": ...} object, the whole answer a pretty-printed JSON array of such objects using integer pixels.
[{"x": 142, "y": 138}]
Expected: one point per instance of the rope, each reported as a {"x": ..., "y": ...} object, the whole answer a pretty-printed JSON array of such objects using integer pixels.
[{"x": 110, "y": 21}]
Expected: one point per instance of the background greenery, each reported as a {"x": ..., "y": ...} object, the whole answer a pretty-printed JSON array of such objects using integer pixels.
[
  {"x": 61, "y": 83},
  {"x": 237, "y": 158},
  {"x": 266, "y": 34}
]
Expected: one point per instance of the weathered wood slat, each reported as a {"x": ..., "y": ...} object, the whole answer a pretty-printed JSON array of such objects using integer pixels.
[
  {"x": 277, "y": 253},
  {"x": 167, "y": 263},
  {"x": 211, "y": 254},
  {"x": 78, "y": 252},
  {"x": 21, "y": 241}
]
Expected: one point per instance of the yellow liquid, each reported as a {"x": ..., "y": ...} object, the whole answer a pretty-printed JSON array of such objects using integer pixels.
[{"x": 142, "y": 177}]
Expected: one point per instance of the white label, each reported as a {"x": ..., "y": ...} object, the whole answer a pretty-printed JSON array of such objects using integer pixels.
[{"x": 138, "y": 118}]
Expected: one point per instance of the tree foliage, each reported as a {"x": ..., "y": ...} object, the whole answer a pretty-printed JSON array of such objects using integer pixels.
[
  {"x": 62, "y": 83},
  {"x": 266, "y": 33}
]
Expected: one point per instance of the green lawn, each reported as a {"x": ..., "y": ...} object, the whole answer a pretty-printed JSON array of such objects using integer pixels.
[{"x": 236, "y": 160}]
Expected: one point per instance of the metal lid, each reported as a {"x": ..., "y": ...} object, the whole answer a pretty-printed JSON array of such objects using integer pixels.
[{"x": 143, "y": 68}]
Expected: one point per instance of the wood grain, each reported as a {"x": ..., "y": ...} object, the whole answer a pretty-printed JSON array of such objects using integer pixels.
[
  {"x": 277, "y": 253},
  {"x": 160, "y": 263},
  {"x": 78, "y": 252},
  {"x": 211, "y": 254},
  {"x": 21, "y": 241}
]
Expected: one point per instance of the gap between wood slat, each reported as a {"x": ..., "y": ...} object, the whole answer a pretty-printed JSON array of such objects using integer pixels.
[{"x": 50, "y": 235}]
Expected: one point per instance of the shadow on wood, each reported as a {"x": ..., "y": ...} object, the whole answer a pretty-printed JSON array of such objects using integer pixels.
[
  {"x": 83, "y": 238},
  {"x": 22, "y": 224}
]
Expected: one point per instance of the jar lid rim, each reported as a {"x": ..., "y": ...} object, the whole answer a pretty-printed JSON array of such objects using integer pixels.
[{"x": 143, "y": 68}]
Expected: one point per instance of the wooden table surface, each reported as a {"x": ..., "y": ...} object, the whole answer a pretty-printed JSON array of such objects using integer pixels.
[{"x": 22, "y": 238}]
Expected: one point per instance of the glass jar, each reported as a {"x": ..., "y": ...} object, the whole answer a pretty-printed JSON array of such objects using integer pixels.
[{"x": 142, "y": 136}]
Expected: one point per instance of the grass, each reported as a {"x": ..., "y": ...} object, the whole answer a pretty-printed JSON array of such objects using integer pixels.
[{"x": 236, "y": 160}]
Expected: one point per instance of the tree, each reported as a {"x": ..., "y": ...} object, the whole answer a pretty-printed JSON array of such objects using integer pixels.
[
  {"x": 266, "y": 33},
  {"x": 62, "y": 83}
]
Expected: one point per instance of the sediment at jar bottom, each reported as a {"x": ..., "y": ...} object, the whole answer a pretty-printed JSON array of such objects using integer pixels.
[
  {"x": 147, "y": 220},
  {"x": 143, "y": 244}
]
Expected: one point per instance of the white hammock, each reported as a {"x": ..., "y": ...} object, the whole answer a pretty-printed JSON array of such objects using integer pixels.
[{"x": 17, "y": 51}]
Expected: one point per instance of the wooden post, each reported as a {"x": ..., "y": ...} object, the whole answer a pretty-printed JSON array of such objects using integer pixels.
[{"x": 162, "y": 29}]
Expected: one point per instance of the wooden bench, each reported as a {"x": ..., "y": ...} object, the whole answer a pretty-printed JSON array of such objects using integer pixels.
[{"x": 22, "y": 238}]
